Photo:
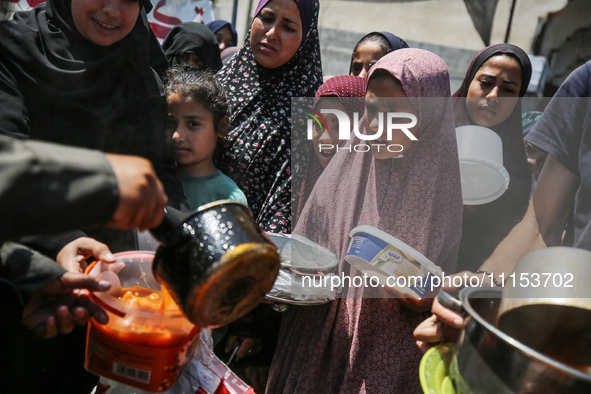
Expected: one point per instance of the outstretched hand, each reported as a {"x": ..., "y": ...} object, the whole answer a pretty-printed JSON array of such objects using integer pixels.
[
  {"x": 73, "y": 256},
  {"x": 61, "y": 305}
]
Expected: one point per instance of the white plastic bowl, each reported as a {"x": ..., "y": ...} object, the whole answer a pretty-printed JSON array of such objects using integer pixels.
[{"x": 480, "y": 150}]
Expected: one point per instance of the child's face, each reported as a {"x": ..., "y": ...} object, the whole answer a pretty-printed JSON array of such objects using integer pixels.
[
  {"x": 325, "y": 141},
  {"x": 190, "y": 131},
  {"x": 365, "y": 56},
  {"x": 379, "y": 88}
]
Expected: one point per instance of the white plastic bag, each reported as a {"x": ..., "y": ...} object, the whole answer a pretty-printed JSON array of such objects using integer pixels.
[
  {"x": 291, "y": 286},
  {"x": 207, "y": 374}
]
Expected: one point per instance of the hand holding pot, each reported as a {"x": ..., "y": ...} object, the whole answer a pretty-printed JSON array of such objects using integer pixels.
[
  {"x": 141, "y": 194},
  {"x": 442, "y": 326},
  {"x": 217, "y": 264}
]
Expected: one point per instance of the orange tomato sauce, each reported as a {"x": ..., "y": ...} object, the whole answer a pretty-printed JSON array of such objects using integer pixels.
[{"x": 159, "y": 330}]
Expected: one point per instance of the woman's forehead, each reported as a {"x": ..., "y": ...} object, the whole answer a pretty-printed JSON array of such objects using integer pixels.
[{"x": 504, "y": 64}]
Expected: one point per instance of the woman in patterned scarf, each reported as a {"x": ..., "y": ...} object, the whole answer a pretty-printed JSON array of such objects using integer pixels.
[{"x": 280, "y": 60}]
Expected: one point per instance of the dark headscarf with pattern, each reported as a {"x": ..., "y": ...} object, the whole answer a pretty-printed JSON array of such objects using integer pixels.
[
  {"x": 257, "y": 152},
  {"x": 196, "y": 38},
  {"x": 485, "y": 226},
  {"x": 228, "y": 53}
]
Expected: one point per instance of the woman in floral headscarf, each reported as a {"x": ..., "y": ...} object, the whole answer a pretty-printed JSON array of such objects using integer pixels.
[
  {"x": 280, "y": 60},
  {"x": 358, "y": 344}
]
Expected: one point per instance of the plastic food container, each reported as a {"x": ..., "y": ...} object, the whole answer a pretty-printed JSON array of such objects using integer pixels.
[
  {"x": 305, "y": 267},
  {"x": 480, "y": 150},
  {"x": 396, "y": 265},
  {"x": 146, "y": 343}
]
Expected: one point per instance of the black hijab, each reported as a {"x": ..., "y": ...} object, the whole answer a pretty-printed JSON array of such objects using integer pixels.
[
  {"x": 196, "y": 38},
  {"x": 55, "y": 85},
  {"x": 44, "y": 52}
]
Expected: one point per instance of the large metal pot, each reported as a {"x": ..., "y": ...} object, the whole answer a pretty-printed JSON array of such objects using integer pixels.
[
  {"x": 488, "y": 360},
  {"x": 546, "y": 304},
  {"x": 217, "y": 264}
]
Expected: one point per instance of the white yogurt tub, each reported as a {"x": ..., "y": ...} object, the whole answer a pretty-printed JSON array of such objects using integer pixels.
[{"x": 396, "y": 265}]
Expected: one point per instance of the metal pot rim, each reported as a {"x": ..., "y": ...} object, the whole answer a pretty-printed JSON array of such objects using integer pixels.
[
  {"x": 219, "y": 202},
  {"x": 473, "y": 292}
]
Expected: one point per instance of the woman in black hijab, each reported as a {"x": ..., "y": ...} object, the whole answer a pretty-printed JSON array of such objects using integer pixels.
[
  {"x": 485, "y": 226},
  {"x": 192, "y": 43},
  {"x": 82, "y": 73},
  {"x": 70, "y": 74}
]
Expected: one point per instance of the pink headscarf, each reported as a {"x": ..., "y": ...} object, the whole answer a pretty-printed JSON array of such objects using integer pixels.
[
  {"x": 351, "y": 93},
  {"x": 344, "y": 86},
  {"x": 355, "y": 345}
]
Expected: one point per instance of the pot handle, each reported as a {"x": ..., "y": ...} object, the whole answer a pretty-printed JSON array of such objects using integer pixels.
[
  {"x": 450, "y": 302},
  {"x": 171, "y": 232}
]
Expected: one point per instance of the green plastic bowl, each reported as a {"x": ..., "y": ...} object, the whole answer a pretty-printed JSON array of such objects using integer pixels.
[{"x": 434, "y": 370}]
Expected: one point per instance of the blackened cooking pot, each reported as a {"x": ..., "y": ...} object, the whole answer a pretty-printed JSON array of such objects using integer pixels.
[{"x": 217, "y": 264}]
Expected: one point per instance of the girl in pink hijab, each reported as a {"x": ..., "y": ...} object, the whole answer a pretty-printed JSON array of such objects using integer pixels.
[
  {"x": 345, "y": 93},
  {"x": 357, "y": 344}
]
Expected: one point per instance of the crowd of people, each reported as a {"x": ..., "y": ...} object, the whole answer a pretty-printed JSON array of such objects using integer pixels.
[{"x": 95, "y": 112}]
